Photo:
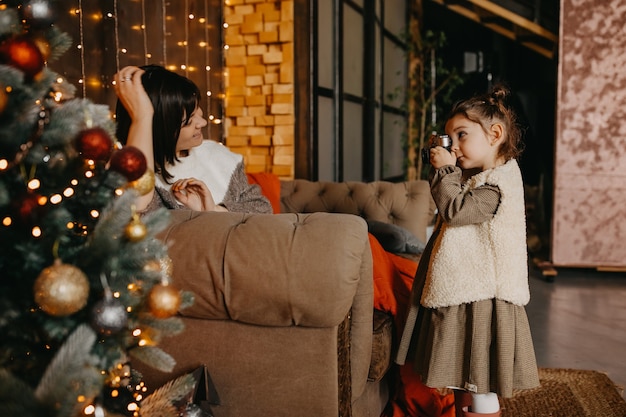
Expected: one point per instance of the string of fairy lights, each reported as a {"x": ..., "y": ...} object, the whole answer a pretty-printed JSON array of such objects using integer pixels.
[
  {"x": 196, "y": 53},
  {"x": 122, "y": 52}
]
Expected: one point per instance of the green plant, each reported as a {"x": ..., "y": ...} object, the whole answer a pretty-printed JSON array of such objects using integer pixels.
[{"x": 431, "y": 85}]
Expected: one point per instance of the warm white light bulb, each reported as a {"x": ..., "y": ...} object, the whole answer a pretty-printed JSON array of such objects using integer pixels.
[
  {"x": 34, "y": 184},
  {"x": 56, "y": 198}
]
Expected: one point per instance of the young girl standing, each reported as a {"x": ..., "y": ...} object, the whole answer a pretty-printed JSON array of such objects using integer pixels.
[{"x": 467, "y": 325}]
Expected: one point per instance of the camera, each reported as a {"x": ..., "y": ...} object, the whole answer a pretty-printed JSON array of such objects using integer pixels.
[{"x": 436, "y": 140}]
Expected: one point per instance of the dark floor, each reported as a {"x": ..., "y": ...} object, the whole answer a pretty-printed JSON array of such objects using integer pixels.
[{"x": 579, "y": 321}]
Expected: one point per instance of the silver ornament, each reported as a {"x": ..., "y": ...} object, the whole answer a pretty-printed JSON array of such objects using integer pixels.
[
  {"x": 38, "y": 13},
  {"x": 109, "y": 316}
]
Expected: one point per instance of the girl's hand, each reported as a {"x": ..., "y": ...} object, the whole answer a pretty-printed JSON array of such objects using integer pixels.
[
  {"x": 439, "y": 157},
  {"x": 131, "y": 93},
  {"x": 195, "y": 195}
]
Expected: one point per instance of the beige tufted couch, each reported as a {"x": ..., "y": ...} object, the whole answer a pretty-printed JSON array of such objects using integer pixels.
[{"x": 283, "y": 313}]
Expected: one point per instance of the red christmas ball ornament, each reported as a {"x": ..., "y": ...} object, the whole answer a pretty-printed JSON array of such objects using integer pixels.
[
  {"x": 94, "y": 143},
  {"x": 130, "y": 162},
  {"x": 22, "y": 53},
  {"x": 29, "y": 208}
]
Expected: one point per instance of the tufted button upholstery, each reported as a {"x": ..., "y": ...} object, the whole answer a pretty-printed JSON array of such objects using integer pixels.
[{"x": 407, "y": 204}]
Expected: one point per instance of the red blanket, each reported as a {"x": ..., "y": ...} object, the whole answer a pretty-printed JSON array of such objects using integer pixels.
[{"x": 393, "y": 278}]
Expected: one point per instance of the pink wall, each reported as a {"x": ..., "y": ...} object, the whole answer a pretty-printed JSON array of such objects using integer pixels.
[{"x": 589, "y": 219}]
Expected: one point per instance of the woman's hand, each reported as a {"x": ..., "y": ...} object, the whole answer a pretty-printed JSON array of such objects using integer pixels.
[
  {"x": 131, "y": 93},
  {"x": 194, "y": 194}
]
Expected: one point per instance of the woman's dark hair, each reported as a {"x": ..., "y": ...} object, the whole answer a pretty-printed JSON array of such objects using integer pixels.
[
  {"x": 174, "y": 98},
  {"x": 486, "y": 109}
]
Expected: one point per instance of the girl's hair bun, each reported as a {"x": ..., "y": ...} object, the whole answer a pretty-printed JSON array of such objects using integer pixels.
[{"x": 500, "y": 92}]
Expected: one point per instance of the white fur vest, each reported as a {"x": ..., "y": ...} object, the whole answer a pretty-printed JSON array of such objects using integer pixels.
[{"x": 487, "y": 260}]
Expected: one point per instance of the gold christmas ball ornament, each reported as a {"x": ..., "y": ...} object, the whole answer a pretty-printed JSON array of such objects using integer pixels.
[
  {"x": 145, "y": 183},
  {"x": 61, "y": 289},
  {"x": 163, "y": 300},
  {"x": 135, "y": 230}
]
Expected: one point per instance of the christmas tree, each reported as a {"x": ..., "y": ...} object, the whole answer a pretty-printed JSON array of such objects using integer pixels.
[{"x": 84, "y": 283}]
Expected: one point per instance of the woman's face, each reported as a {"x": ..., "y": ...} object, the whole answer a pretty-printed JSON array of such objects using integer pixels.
[{"x": 190, "y": 134}]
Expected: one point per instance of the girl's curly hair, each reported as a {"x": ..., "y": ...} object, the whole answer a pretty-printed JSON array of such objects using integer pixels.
[{"x": 487, "y": 109}]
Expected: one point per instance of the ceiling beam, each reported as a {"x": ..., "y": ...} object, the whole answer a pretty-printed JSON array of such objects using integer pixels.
[{"x": 506, "y": 23}]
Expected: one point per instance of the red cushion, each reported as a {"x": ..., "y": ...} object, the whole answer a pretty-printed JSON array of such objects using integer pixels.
[
  {"x": 393, "y": 279},
  {"x": 270, "y": 187}
]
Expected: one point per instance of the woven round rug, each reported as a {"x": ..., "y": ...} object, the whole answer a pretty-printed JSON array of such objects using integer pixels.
[{"x": 567, "y": 393}]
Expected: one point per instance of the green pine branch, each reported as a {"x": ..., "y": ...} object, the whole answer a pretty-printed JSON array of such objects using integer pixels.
[
  {"x": 59, "y": 42},
  {"x": 71, "y": 374},
  {"x": 154, "y": 356}
]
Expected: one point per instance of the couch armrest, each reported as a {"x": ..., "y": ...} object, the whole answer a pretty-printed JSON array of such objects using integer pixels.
[
  {"x": 270, "y": 270},
  {"x": 407, "y": 204}
]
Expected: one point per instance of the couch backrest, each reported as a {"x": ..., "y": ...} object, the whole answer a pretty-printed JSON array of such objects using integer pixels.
[
  {"x": 269, "y": 270},
  {"x": 407, "y": 204}
]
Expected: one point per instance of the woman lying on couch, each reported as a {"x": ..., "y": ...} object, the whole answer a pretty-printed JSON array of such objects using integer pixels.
[{"x": 158, "y": 112}]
